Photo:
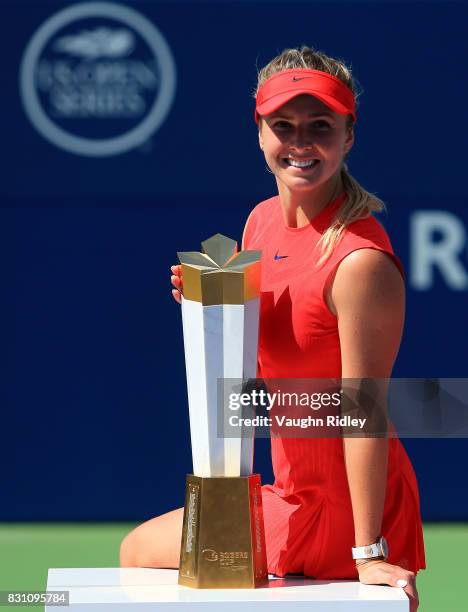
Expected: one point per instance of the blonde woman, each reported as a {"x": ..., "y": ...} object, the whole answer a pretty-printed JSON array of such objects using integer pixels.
[{"x": 332, "y": 305}]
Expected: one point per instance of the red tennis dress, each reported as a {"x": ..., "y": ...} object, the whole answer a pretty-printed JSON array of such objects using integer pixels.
[{"x": 308, "y": 514}]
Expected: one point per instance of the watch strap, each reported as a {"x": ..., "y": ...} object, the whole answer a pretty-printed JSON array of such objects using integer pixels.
[{"x": 371, "y": 551}]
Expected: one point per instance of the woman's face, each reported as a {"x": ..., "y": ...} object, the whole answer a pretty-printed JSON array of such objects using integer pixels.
[{"x": 304, "y": 142}]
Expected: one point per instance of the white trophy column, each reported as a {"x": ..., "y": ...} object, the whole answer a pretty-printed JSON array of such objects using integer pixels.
[
  {"x": 251, "y": 321},
  {"x": 203, "y": 352},
  {"x": 220, "y": 343}
]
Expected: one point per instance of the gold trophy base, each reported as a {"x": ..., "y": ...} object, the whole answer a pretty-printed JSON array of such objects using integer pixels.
[{"x": 223, "y": 537}]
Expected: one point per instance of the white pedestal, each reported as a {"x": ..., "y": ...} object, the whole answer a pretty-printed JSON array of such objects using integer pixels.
[{"x": 142, "y": 590}]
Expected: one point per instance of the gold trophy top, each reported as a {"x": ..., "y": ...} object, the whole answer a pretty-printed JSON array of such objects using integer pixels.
[{"x": 220, "y": 274}]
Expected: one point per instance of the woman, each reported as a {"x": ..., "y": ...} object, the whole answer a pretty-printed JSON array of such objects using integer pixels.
[{"x": 332, "y": 305}]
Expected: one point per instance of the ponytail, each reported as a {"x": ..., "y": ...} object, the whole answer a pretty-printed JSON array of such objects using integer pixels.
[{"x": 359, "y": 204}]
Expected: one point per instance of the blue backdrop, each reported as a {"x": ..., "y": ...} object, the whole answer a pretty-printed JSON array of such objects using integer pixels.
[{"x": 94, "y": 411}]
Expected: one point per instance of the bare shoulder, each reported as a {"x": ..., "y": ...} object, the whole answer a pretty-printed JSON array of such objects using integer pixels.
[
  {"x": 367, "y": 263},
  {"x": 367, "y": 277},
  {"x": 369, "y": 299}
]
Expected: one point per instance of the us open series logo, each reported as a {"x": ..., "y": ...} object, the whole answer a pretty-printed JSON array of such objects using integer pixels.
[{"x": 97, "y": 79}]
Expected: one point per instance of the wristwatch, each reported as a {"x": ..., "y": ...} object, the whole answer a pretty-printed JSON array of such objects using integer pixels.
[{"x": 372, "y": 551}]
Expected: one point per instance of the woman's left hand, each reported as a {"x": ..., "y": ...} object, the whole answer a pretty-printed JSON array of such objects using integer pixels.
[{"x": 381, "y": 572}]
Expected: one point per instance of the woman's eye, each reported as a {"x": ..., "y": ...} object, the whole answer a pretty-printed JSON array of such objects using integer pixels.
[
  {"x": 281, "y": 125},
  {"x": 318, "y": 124},
  {"x": 321, "y": 124}
]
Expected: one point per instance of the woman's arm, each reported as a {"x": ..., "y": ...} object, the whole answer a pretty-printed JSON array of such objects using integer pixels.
[{"x": 369, "y": 298}]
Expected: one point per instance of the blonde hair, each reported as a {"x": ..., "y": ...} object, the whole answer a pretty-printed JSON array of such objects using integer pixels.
[{"x": 359, "y": 203}]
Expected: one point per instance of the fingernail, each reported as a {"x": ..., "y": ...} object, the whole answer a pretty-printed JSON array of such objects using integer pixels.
[{"x": 401, "y": 583}]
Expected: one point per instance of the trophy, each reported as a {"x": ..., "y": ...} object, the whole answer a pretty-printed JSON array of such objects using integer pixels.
[{"x": 223, "y": 539}]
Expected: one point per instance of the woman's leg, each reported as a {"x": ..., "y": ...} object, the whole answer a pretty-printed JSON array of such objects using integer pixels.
[{"x": 155, "y": 543}]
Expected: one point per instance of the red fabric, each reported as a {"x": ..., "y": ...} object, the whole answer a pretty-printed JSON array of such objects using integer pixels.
[
  {"x": 308, "y": 513},
  {"x": 287, "y": 84}
]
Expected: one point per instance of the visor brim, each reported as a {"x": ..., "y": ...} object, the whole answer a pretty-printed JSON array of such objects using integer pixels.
[{"x": 276, "y": 102}]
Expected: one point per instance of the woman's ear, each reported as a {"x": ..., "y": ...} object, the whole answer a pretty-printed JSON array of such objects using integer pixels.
[
  {"x": 349, "y": 141},
  {"x": 260, "y": 139}
]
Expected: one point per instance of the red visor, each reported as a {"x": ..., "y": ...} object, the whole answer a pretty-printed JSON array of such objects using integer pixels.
[{"x": 285, "y": 85}]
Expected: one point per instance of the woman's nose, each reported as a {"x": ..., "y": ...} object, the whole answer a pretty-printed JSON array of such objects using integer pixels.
[{"x": 301, "y": 139}]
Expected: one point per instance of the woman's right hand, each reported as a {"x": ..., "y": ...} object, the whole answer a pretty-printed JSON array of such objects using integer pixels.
[{"x": 176, "y": 280}]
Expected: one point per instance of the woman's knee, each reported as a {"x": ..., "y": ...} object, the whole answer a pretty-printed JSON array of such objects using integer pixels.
[
  {"x": 128, "y": 551},
  {"x": 155, "y": 543}
]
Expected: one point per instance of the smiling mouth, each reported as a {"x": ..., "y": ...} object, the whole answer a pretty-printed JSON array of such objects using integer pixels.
[{"x": 305, "y": 163}]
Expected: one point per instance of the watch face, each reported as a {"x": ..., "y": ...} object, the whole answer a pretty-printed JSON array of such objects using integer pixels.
[{"x": 383, "y": 544}]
